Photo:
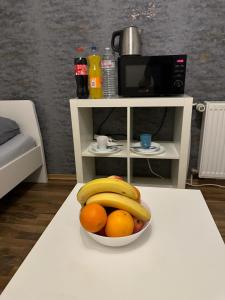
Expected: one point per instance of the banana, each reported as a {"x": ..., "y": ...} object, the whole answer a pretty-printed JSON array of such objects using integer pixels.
[
  {"x": 102, "y": 185},
  {"x": 121, "y": 202}
]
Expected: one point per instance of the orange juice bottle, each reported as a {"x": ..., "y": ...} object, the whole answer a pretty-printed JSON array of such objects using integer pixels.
[{"x": 95, "y": 75}]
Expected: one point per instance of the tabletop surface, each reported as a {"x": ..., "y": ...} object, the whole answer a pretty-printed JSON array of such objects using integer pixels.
[{"x": 181, "y": 256}]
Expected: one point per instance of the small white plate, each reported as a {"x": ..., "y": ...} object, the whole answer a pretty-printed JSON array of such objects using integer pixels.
[
  {"x": 93, "y": 148},
  {"x": 155, "y": 149}
]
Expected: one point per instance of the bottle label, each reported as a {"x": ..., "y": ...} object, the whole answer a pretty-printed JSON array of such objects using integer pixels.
[
  {"x": 95, "y": 82},
  {"x": 80, "y": 69},
  {"x": 107, "y": 63}
]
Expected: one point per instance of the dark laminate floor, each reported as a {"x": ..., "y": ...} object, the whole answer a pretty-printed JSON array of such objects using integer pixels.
[
  {"x": 24, "y": 214},
  {"x": 27, "y": 210}
]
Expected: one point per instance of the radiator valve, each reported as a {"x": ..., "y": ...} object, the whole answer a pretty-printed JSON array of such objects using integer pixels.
[{"x": 200, "y": 107}]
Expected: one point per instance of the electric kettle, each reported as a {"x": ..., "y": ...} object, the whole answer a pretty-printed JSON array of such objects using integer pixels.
[{"x": 129, "y": 41}]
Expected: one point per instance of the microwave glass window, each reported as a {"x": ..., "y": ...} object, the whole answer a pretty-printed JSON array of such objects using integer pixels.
[
  {"x": 135, "y": 74},
  {"x": 144, "y": 77}
]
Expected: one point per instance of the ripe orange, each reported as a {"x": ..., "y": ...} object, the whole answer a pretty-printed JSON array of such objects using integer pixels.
[
  {"x": 119, "y": 223},
  {"x": 93, "y": 217}
]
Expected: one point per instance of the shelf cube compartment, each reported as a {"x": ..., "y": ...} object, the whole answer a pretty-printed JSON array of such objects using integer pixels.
[{"x": 155, "y": 172}]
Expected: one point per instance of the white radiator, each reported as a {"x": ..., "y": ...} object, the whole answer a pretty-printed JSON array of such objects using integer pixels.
[{"x": 211, "y": 160}]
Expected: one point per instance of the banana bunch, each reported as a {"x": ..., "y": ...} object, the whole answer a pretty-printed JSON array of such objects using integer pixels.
[{"x": 113, "y": 192}]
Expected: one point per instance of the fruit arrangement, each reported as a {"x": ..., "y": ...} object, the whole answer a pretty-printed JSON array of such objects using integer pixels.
[{"x": 111, "y": 207}]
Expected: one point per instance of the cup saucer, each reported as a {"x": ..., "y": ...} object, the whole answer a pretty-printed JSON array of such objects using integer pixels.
[
  {"x": 154, "y": 149},
  {"x": 112, "y": 148}
]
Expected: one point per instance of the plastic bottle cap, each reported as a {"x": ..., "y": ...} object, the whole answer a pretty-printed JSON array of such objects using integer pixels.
[{"x": 80, "y": 49}]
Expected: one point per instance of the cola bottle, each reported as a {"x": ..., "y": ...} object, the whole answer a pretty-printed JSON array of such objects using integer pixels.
[{"x": 81, "y": 74}]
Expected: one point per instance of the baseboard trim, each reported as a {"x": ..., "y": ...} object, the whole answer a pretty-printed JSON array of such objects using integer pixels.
[{"x": 70, "y": 177}]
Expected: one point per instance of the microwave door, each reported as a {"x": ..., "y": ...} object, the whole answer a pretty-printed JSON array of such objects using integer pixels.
[
  {"x": 160, "y": 74},
  {"x": 148, "y": 83},
  {"x": 139, "y": 79},
  {"x": 134, "y": 75}
]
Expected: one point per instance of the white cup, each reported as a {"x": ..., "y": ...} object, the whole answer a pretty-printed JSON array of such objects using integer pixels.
[{"x": 102, "y": 142}]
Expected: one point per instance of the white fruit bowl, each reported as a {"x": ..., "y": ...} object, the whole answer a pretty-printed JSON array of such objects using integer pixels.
[{"x": 119, "y": 241}]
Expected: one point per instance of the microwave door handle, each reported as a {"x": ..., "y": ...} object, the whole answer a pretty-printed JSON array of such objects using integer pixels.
[{"x": 114, "y": 35}]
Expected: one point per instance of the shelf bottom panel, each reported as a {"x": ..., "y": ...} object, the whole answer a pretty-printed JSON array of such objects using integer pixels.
[{"x": 155, "y": 182}]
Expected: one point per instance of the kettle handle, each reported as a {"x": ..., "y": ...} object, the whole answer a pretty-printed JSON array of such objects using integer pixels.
[{"x": 114, "y": 35}]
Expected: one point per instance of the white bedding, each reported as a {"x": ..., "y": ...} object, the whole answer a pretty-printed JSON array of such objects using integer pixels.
[{"x": 15, "y": 147}]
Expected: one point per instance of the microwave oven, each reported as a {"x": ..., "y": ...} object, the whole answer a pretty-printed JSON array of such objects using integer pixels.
[{"x": 148, "y": 76}]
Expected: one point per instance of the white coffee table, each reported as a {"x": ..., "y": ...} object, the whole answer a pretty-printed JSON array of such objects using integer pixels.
[{"x": 182, "y": 257}]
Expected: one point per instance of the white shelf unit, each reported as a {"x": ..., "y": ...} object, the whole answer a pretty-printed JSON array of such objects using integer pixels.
[{"x": 176, "y": 150}]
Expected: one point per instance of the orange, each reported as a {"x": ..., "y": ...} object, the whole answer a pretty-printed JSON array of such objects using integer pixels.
[
  {"x": 119, "y": 223},
  {"x": 93, "y": 217}
]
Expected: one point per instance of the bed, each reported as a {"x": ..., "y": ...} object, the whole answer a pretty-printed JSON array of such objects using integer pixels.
[{"x": 22, "y": 157}]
